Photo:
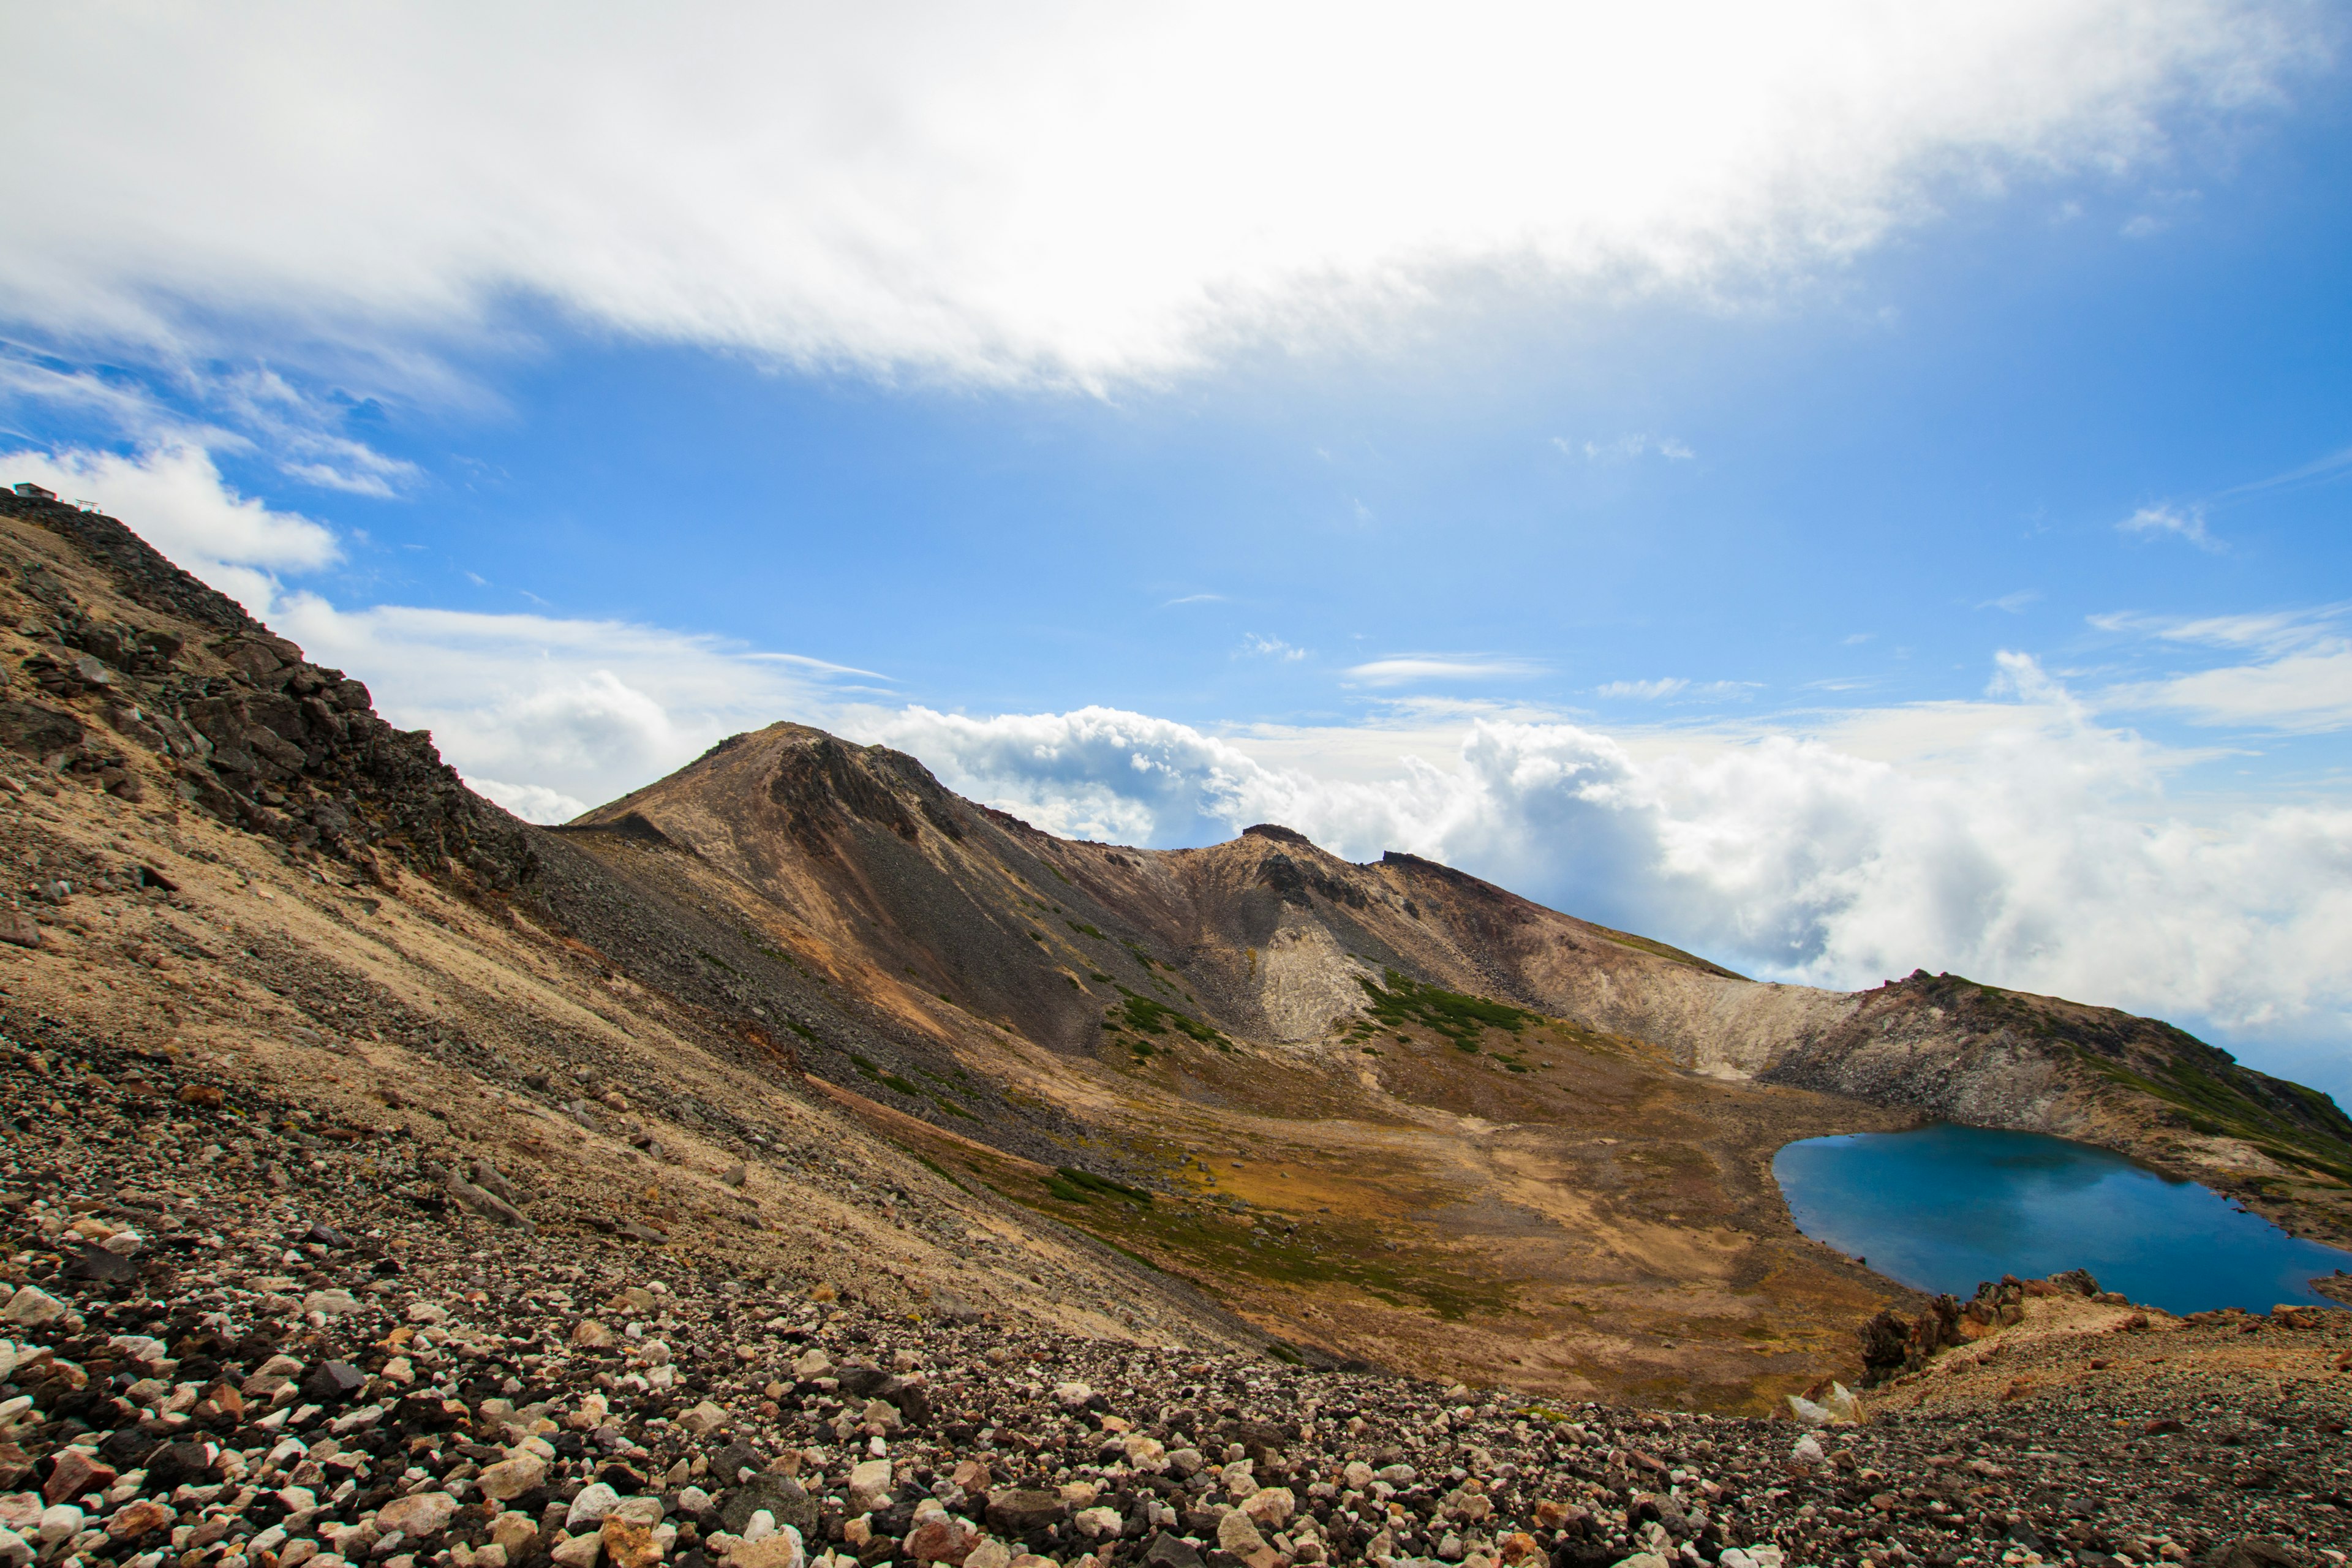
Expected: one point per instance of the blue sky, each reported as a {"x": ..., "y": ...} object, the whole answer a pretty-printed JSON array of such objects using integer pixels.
[{"x": 1866, "y": 490}]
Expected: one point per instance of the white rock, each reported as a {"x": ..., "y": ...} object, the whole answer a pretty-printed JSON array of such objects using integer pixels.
[
  {"x": 33, "y": 1308},
  {"x": 124, "y": 1243},
  {"x": 869, "y": 1486},
  {"x": 759, "y": 1526},
  {"x": 580, "y": 1551},
  {"x": 15, "y": 1550},
  {"x": 60, "y": 1521},
  {"x": 703, "y": 1419},
  {"x": 1094, "y": 1523},
  {"x": 595, "y": 1500}
]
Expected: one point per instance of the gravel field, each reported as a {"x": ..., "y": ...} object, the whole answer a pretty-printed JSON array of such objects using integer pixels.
[{"x": 240, "y": 1336}]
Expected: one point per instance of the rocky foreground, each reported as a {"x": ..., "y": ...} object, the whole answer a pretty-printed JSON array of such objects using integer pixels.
[{"x": 240, "y": 1336}]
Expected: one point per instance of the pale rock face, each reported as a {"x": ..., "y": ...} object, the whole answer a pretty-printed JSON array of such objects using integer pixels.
[
  {"x": 1305, "y": 983},
  {"x": 1271, "y": 1506}
]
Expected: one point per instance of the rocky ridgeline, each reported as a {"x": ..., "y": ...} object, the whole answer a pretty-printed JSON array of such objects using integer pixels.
[
  {"x": 245, "y": 726},
  {"x": 242, "y": 1336}
]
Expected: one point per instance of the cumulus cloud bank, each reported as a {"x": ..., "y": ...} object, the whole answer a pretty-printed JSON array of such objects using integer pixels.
[
  {"x": 2040, "y": 854},
  {"x": 2038, "y": 851},
  {"x": 1029, "y": 190}
]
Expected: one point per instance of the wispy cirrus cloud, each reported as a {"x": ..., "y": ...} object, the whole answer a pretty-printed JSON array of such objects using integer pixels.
[
  {"x": 1625, "y": 448},
  {"x": 1646, "y": 691},
  {"x": 254, "y": 411},
  {"x": 1400, "y": 669},
  {"x": 2301, "y": 684},
  {"x": 1271, "y": 648},
  {"x": 2184, "y": 522}
]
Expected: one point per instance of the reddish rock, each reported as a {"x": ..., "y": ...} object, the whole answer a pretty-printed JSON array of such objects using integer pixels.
[{"x": 76, "y": 1472}]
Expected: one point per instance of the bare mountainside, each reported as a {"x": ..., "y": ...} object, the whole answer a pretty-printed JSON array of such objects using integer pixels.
[
  {"x": 1086, "y": 948},
  {"x": 798, "y": 1014}
]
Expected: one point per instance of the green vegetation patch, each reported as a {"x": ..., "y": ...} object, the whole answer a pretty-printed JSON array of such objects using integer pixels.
[
  {"x": 1146, "y": 1017},
  {"x": 2212, "y": 1106},
  {"x": 1463, "y": 1020},
  {"x": 1091, "y": 1183},
  {"x": 1083, "y": 929}
]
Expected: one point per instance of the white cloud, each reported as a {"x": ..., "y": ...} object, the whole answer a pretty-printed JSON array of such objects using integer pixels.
[
  {"x": 576, "y": 710},
  {"x": 253, "y": 410},
  {"x": 2302, "y": 685},
  {"x": 1625, "y": 448},
  {"x": 546, "y": 714},
  {"x": 532, "y": 803},
  {"x": 1271, "y": 648},
  {"x": 1032, "y": 190},
  {"x": 187, "y": 510},
  {"x": 2015, "y": 603},
  {"x": 1647, "y": 690},
  {"x": 2188, "y": 522},
  {"x": 1405, "y": 668}
]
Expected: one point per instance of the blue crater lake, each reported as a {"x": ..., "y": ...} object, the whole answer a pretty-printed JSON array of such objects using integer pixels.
[{"x": 1941, "y": 1208}]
